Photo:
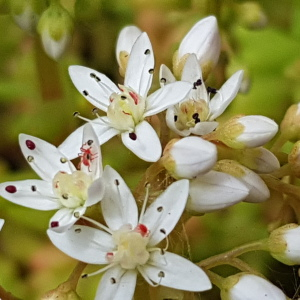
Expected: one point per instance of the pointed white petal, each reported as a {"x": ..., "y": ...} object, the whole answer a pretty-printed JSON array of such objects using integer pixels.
[
  {"x": 163, "y": 214},
  {"x": 1, "y": 223},
  {"x": 83, "y": 243},
  {"x": 118, "y": 205},
  {"x": 140, "y": 66},
  {"x": 170, "y": 115},
  {"x": 266, "y": 161},
  {"x": 176, "y": 272},
  {"x": 204, "y": 128},
  {"x": 214, "y": 191},
  {"x": 225, "y": 95},
  {"x": 165, "y": 76},
  {"x": 94, "y": 86},
  {"x": 64, "y": 218},
  {"x": 167, "y": 96},
  {"x": 44, "y": 158},
  {"x": 117, "y": 284},
  {"x": 91, "y": 158},
  {"x": 103, "y": 129},
  {"x": 36, "y": 194},
  {"x": 126, "y": 39},
  {"x": 146, "y": 144},
  {"x": 95, "y": 192}
]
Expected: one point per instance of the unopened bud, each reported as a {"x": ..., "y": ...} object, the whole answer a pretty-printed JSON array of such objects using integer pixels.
[
  {"x": 204, "y": 41},
  {"x": 246, "y": 131},
  {"x": 214, "y": 191},
  {"x": 245, "y": 285},
  {"x": 188, "y": 157},
  {"x": 55, "y": 27},
  {"x": 258, "y": 190},
  {"x": 284, "y": 244},
  {"x": 290, "y": 125},
  {"x": 251, "y": 15},
  {"x": 126, "y": 39}
]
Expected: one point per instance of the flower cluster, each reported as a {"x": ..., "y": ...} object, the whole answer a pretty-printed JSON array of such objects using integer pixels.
[{"x": 206, "y": 165}]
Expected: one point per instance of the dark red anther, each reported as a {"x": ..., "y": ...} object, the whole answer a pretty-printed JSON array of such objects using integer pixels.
[
  {"x": 11, "y": 189},
  {"x": 54, "y": 224},
  {"x": 30, "y": 144},
  {"x": 142, "y": 229},
  {"x": 133, "y": 136}
]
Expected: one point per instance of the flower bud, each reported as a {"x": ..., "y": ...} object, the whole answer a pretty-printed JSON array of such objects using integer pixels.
[
  {"x": 251, "y": 15},
  {"x": 246, "y": 131},
  {"x": 214, "y": 191},
  {"x": 244, "y": 285},
  {"x": 26, "y": 13},
  {"x": 258, "y": 190},
  {"x": 284, "y": 244},
  {"x": 189, "y": 157},
  {"x": 126, "y": 39},
  {"x": 55, "y": 27},
  {"x": 290, "y": 125},
  {"x": 204, "y": 41}
]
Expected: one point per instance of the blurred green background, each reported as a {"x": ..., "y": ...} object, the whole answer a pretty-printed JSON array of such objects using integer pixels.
[{"x": 38, "y": 98}]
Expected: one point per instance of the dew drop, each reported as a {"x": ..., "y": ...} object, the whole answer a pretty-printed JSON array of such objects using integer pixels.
[
  {"x": 54, "y": 224},
  {"x": 11, "y": 189},
  {"x": 30, "y": 158},
  {"x": 30, "y": 144},
  {"x": 133, "y": 136}
]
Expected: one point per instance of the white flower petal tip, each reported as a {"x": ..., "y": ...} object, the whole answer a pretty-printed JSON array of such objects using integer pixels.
[
  {"x": 258, "y": 190},
  {"x": 204, "y": 40},
  {"x": 189, "y": 157},
  {"x": 126, "y": 39},
  {"x": 284, "y": 245},
  {"x": 243, "y": 286},
  {"x": 1, "y": 223},
  {"x": 165, "y": 76},
  {"x": 214, "y": 191},
  {"x": 247, "y": 131},
  {"x": 144, "y": 142}
]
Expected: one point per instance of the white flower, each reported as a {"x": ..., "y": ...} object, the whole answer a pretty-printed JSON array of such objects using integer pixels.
[
  {"x": 203, "y": 40},
  {"x": 214, "y": 191},
  {"x": 1, "y": 223},
  {"x": 284, "y": 244},
  {"x": 128, "y": 245},
  {"x": 62, "y": 187},
  {"x": 197, "y": 113},
  {"x": 127, "y": 106},
  {"x": 246, "y": 286},
  {"x": 189, "y": 157},
  {"x": 126, "y": 39}
]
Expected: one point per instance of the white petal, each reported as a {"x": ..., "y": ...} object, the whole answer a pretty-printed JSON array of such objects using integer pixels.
[
  {"x": 95, "y": 192},
  {"x": 64, "y": 218},
  {"x": 94, "y": 86},
  {"x": 178, "y": 272},
  {"x": 126, "y": 39},
  {"x": 140, "y": 66},
  {"x": 36, "y": 194},
  {"x": 171, "y": 122},
  {"x": 165, "y": 76},
  {"x": 202, "y": 128},
  {"x": 83, "y": 243},
  {"x": 117, "y": 284},
  {"x": 103, "y": 129},
  {"x": 214, "y": 191},
  {"x": 44, "y": 158},
  {"x": 167, "y": 96},
  {"x": 163, "y": 214},
  {"x": 1, "y": 223},
  {"x": 118, "y": 205},
  {"x": 266, "y": 161},
  {"x": 225, "y": 95},
  {"x": 92, "y": 164},
  {"x": 146, "y": 145}
]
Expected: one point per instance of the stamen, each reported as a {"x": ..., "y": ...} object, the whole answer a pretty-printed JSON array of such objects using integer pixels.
[
  {"x": 144, "y": 203},
  {"x": 30, "y": 158},
  {"x": 101, "y": 226},
  {"x": 211, "y": 90},
  {"x": 151, "y": 71},
  {"x": 175, "y": 118},
  {"x": 147, "y": 52},
  {"x": 163, "y": 80},
  {"x": 30, "y": 144},
  {"x": 133, "y": 136},
  {"x": 99, "y": 271},
  {"x": 33, "y": 188},
  {"x": 95, "y": 112},
  {"x": 90, "y": 142},
  {"x": 63, "y": 160},
  {"x": 94, "y": 76},
  {"x": 149, "y": 281},
  {"x": 77, "y": 115}
]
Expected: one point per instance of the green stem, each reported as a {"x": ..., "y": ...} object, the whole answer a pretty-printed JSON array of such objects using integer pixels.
[
  {"x": 228, "y": 257},
  {"x": 283, "y": 171},
  {"x": 281, "y": 140}
]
